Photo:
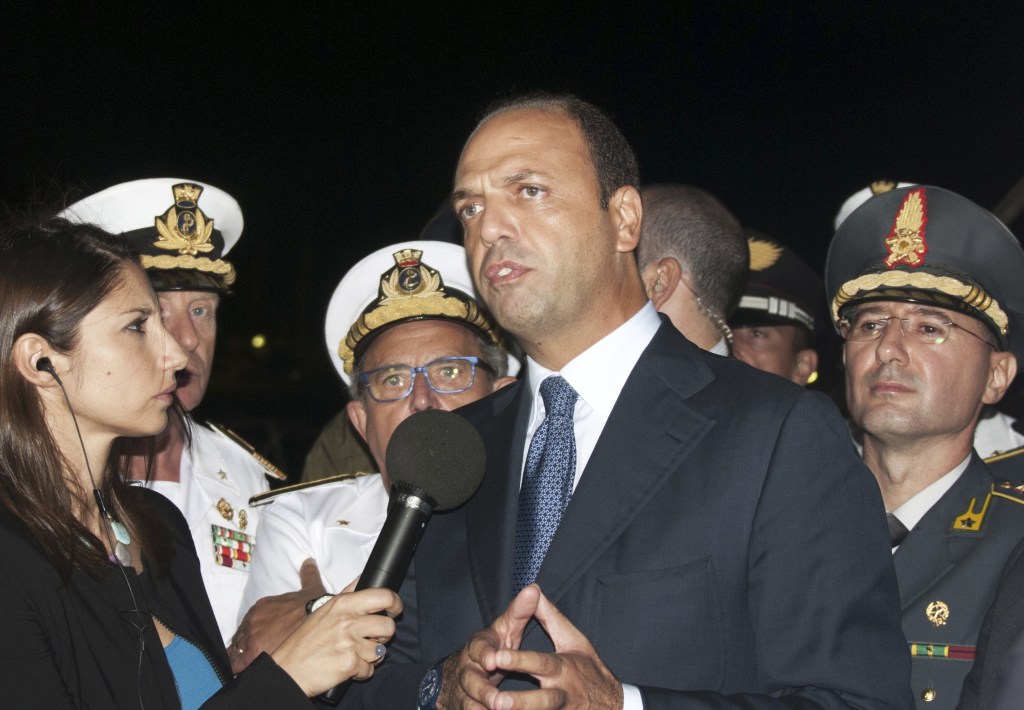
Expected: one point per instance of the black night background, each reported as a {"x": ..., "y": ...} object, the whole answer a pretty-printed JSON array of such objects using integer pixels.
[{"x": 337, "y": 128}]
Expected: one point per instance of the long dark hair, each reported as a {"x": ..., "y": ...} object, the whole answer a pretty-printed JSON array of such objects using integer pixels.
[{"x": 52, "y": 274}]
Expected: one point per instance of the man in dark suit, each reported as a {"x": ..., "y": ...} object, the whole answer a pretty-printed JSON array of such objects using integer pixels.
[
  {"x": 715, "y": 543},
  {"x": 927, "y": 293}
]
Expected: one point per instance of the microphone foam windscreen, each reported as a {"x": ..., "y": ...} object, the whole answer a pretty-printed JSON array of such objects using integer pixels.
[{"x": 440, "y": 453}]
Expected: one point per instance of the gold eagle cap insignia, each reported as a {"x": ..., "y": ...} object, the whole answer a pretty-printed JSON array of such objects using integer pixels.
[
  {"x": 187, "y": 232},
  {"x": 906, "y": 242},
  {"x": 763, "y": 255}
]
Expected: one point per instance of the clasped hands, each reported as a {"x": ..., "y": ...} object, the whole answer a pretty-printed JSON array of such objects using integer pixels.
[{"x": 573, "y": 676}]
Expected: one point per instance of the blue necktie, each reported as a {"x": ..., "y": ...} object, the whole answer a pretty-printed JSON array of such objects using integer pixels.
[{"x": 547, "y": 483}]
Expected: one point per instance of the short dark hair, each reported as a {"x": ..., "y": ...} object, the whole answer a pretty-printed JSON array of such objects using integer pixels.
[
  {"x": 610, "y": 153},
  {"x": 692, "y": 226}
]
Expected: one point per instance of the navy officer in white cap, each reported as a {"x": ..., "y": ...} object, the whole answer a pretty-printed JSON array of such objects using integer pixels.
[
  {"x": 926, "y": 290},
  {"x": 183, "y": 230},
  {"x": 406, "y": 333}
]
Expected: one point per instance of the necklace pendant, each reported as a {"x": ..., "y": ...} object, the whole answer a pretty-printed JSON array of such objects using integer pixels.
[
  {"x": 123, "y": 554},
  {"x": 120, "y": 533}
]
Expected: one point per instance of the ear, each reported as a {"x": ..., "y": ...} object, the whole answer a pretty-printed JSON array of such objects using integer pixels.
[
  {"x": 503, "y": 382},
  {"x": 357, "y": 416},
  {"x": 28, "y": 350},
  {"x": 806, "y": 365},
  {"x": 626, "y": 211},
  {"x": 661, "y": 278},
  {"x": 1002, "y": 370}
]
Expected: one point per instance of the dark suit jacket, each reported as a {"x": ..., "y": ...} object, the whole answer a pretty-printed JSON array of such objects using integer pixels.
[
  {"x": 950, "y": 562},
  {"x": 724, "y": 540},
  {"x": 998, "y": 672}
]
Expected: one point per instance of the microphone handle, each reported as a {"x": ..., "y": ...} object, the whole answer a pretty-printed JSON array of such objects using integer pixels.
[
  {"x": 409, "y": 509},
  {"x": 403, "y": 528}
]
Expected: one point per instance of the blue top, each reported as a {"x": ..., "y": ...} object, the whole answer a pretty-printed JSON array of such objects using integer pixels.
[{"x": 193, "y": 674}]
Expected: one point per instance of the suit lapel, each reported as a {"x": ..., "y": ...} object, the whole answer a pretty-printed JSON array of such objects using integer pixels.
[
  {"x": 650, "y": 431},
  {"x": 928, "y": 553},
  {"x": 491, "y": 513}
]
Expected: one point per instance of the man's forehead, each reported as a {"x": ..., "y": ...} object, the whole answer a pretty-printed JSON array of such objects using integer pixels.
[
  {"x": 901, "y": 308},
  {"x": 520, "y": 128},
  {"x": 186, "y": 298},
  {"x": 444, "y": 338}
]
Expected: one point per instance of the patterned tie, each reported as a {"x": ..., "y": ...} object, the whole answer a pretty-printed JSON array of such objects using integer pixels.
[
  {"x": 547, "y": 483},
  {"x": 897, "y": 530}
]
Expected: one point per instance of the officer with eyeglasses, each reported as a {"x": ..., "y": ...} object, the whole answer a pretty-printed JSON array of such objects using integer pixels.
[
  {"x": 927, "y": 290},
  {"x": 406, "y": 333}
]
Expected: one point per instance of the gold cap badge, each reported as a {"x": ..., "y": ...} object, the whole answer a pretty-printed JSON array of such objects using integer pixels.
[
  {"x": 185, "y": 230},
  {"x": 763, "y": 254},
  {"x": 906, "y": 242},
  {"x": 412, "y": 290}
]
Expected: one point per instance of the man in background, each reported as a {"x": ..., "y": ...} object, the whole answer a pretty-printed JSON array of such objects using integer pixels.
[
  {"x": 774, "y": 328},
  {"x": 406, "y": 334},
  {"x": 693, "y": 262},
  {"x": 927, "y": 293},
  {"x": 183, "y": 229}
]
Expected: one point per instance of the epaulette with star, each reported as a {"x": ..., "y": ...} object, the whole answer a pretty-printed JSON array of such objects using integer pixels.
[
  {"x": 269, "y": 496},
  {"x": 271, "y": 470}
]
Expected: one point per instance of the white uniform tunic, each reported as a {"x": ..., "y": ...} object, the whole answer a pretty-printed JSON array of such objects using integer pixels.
[
  {"x": 335, "y": 523},
  {"x": 217, "y": 479}
]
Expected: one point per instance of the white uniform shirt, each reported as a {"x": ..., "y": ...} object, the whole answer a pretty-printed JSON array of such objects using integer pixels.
[
  {"x": 334, "y": 523},
  {"x": 217, "y": 479}
]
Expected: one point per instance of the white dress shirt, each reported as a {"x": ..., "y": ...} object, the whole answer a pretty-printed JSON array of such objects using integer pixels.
[
  {"x": 911, "y": 512},
  {"x": 598, "y": 375}
]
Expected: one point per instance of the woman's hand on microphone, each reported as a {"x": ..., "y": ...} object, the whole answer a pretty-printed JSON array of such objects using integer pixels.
[{"x": 340, "y": 640}]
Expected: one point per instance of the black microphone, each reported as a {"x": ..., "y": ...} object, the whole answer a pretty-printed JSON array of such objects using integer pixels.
[{"x": 436, "y": 461}]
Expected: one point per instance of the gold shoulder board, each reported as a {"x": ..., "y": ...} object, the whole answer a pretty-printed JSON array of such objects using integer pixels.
[
  {"x": 269, "y": 496},
  {"x": 271, "y": 470}
]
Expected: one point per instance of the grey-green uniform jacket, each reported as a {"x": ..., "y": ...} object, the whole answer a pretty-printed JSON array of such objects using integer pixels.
[{"x": 948, "y": 569}]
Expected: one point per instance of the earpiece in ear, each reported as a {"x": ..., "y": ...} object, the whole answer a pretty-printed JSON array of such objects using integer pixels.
[
  {"x": 43, "y": 364},
  {"x": 659, "y": 287}
]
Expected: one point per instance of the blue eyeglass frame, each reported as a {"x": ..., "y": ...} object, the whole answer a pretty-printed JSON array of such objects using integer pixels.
[{"x": 474, "y": 362}]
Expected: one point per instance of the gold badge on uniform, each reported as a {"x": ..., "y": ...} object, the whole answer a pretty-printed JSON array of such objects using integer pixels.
[
  {"x": 243, "y": 519},
  {"x": 225, "y": 509},
  {"x": 937, "y": 613}
]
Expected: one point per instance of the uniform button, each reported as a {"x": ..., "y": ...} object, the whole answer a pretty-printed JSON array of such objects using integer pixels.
[{"x": 928, "y": 695}]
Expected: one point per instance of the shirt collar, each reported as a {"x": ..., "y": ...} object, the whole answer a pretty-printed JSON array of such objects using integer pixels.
[
  {"x": 599, "y": 373},
  {"x": 911, "y": 512},
  {"x": 720, "y": 348}
]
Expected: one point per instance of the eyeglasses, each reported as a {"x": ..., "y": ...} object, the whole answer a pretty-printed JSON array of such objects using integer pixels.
[
  {"x": 446, "y": 375},
  {"x": 921, "y": 328}
]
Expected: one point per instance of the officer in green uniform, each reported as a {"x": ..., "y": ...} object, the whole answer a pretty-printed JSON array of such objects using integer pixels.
[{"x": 926, "y": 289}]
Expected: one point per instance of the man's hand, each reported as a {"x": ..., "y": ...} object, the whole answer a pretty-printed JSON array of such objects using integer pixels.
[
  {"x": 272, "y": 619},
  {"x": 470, "y": 678},
  {"x": 571, "y": 677}
]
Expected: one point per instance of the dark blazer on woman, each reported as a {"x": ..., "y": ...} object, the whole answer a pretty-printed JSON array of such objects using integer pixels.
[{"x": 84, "y": 645}]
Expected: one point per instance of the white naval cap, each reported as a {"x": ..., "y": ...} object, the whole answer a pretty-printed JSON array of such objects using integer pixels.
[
  {"x": 878, "y": 187},
  {"x": 182, "y": 228},
  {"x": 414, "y": 280}
]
